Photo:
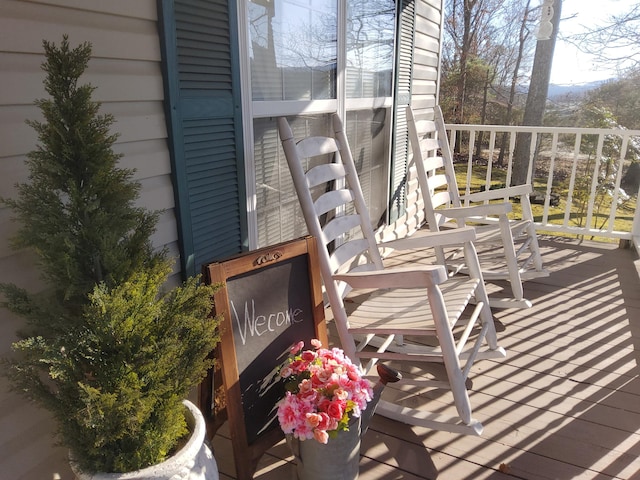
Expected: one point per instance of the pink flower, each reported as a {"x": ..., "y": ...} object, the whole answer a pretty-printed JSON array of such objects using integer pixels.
[
  {"x": 321, "y": 436},
  {"x": 316, "y": 380},
  {"x": 313, "y": 419},
  {"x": 324, "y": 390},
  {"x": 325, "y": 421},
  {"x": 334, "y": 423},
  {"x": 335, "y": 409},
  {"x": 296, "y": 348},
  {"x": 340, "y": 394},
  {"x": 309, "y": 395},
  {"x": 305, "y": 386},
  {"x": 323, "y": 404},
  {"x": 297, "y": 366},
  {"x": 324, "y": 376},
  {"x": 308, "y": 356},
  {"x": 352, "y": 373},
  {"x": 288, "y": 413}
]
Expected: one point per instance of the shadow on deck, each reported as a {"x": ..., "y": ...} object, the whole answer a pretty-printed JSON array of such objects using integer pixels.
[{"x": 564, "y": 404}]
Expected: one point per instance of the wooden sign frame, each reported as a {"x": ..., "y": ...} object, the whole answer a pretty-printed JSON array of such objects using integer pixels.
[{"x": 258, "y": 267}]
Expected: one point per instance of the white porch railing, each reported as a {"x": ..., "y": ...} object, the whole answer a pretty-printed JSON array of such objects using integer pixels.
[{"x": 576, "y": 172}]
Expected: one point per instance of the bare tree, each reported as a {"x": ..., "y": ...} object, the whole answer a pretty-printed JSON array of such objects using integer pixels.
[
  {"x": 468, "y": 27},
  {"x": 487, "y": 46},
  {"x": 615, "y": 42},
  {"x": 538, "y": 87},
  {"x": 524, "y": 34}
]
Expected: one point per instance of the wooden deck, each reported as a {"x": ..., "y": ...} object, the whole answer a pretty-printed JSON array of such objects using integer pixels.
[{"x": 564, "y": 404}]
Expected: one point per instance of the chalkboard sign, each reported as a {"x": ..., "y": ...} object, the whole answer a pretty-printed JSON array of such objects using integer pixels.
[{"x": 271, "y": 300}]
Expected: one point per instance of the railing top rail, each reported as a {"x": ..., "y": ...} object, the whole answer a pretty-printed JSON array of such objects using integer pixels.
[{"x": 537, "y": 129}]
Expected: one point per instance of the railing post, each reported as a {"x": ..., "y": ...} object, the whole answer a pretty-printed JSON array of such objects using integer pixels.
[{"x": 635, "y": 228}]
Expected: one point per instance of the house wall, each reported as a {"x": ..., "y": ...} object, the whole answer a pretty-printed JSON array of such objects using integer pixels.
[
  {"x": 426, "y": 56},
  {"x": 125, "y": 68}
]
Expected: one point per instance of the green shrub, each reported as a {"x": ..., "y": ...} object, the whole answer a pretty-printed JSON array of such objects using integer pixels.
[{"x": 106, "y": 349}]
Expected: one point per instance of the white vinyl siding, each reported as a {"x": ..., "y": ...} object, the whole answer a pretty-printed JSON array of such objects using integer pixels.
[
  {"x": 426, "y": 56},
  {"x": 125, "y": 69}
]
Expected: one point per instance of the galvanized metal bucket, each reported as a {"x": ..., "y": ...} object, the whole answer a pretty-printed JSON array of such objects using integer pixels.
[{"x": 338, "y": 459}]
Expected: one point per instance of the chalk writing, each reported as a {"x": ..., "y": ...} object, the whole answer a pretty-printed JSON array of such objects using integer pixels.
[{"x": 258, "y": 325}]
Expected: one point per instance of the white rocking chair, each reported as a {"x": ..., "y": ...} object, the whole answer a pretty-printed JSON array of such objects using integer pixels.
[
  {"x": 405, "y": 308},
  {"x": 507, "y": 249}
]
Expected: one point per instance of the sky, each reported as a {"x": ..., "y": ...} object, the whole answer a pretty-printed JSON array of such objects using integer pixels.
[{"x": 570, "y": 66}]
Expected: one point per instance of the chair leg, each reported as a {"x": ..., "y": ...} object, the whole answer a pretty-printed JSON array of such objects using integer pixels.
[
  {"x": 450, "y": 358},
  {"x": 535, "y": 248},
  {"x": 486, "y": 317},
  {"x": 517, "y": 290}
]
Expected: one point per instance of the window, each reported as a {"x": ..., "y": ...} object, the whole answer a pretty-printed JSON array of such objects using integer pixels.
[
  {"x": 369, "y": 48},
  {"x": 292, "y": 49},
  {"x": 307, "y": 59}
]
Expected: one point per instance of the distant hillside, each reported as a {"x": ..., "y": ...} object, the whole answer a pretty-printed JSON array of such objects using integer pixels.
[{"x": 573, "y": 91}]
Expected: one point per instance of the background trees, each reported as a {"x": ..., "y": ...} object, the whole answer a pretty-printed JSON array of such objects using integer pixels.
[
  {"x": 487, "y": 52},
  {"x": 496, "y": 63},
  {"x": 496, "y": 66},
  {"x": 538, "y": 86},
  {"x": 488, "y": 64},
  {"x": 621, "y": 97}
]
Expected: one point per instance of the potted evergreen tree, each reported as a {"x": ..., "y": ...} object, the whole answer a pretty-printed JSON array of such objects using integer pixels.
[{"x": 106, "y": 349}]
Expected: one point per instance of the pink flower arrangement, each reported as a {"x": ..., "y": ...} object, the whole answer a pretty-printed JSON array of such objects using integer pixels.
[{"x": 324, "y": 390}]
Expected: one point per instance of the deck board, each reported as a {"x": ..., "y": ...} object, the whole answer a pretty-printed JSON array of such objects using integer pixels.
[{"x": 564, "y": 404}]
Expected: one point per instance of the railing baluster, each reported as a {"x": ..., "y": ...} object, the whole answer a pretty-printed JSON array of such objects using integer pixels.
[
  {"x": 532, "y": 154},
  {"x": 492, "y": 146},
  {"x": 594, "y": 183},
  {"x": 616, "y": 189},
  {"x": 512, "y": 149},
  {"x": 572, "y": 180},
  {"x": 472, "y": 141},
  {"x": 552, "y": 162},
  {"x": 635, "y": 229},
  {"x": 487, "y": 178}
]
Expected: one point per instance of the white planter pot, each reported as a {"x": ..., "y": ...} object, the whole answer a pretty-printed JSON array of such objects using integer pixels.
[{"x": 194, "y": 461}]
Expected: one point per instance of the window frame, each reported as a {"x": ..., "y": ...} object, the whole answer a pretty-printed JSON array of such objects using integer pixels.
[{"x": 254, "y": 109}]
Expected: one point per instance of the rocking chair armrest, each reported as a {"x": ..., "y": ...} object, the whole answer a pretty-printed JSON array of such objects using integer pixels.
[
  {"x": 478, "y": 210},
  {"x": 411, "y": 277},
  {"x": 454, "y": 236},
  {"x": 507, "y": 192}
]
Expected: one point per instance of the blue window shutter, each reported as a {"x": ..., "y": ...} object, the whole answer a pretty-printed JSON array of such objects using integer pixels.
[
  {"x": 202, "y": 103},
  {"x": 402, "y": 97}
]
